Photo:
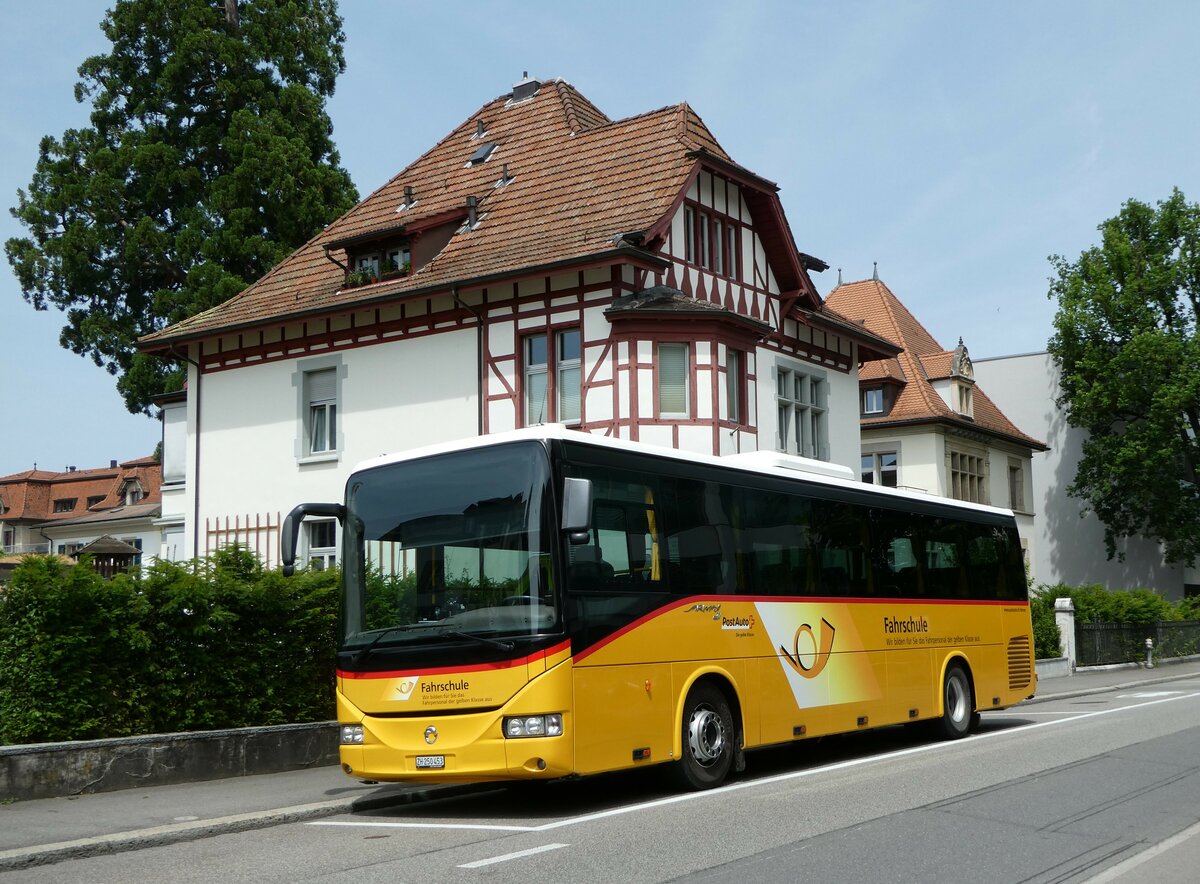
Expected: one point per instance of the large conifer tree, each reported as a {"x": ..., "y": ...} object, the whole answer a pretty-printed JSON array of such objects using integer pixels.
[{"x": 208, "y": 159}]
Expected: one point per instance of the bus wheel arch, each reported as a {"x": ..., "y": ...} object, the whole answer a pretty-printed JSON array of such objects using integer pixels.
[
  {"x": 957, "y": 701},
  {"x": 709, "y": 733}
]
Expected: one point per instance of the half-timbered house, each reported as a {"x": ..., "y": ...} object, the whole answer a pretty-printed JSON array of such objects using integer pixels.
[{"x": 539, "y": 263}]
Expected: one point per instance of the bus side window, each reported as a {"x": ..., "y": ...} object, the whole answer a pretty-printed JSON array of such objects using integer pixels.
[
  {"x": 895, "y": 554},
  {"x": 845, "y": 564},
  {"x": 944, "y": 575}
]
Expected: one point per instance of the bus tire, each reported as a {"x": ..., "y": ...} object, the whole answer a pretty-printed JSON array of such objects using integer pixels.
[
  {"x": 709, "y": 738},
  {"x": 958, "y": 704}
]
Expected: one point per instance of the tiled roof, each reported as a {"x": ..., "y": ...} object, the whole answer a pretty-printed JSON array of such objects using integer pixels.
[
  {"x": 922, "y": 361},
  {"x": 115, "y": 514},
  {"x": 577, "y": 182},
  {"x": 30, "y": 495}
]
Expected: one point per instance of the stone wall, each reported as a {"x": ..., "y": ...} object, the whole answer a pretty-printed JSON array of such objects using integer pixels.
[{"x": 47, "y": 770}]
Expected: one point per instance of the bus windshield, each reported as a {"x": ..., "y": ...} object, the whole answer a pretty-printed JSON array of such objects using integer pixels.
[{"x": 448, "y": 548}]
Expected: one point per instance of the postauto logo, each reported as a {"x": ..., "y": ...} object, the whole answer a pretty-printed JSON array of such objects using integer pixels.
[
  {"x": 810, "y": 663},
  {"x": 406, "y": 686}
]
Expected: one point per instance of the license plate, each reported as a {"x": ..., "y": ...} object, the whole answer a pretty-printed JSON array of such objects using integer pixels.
[{"x": 431, "y": 762}]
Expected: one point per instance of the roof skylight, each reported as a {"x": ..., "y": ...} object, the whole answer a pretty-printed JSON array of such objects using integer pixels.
[{"x": 481, "y": 153}]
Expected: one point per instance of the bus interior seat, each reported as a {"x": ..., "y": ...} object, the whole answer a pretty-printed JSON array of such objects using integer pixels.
[{"x": 588, "y": 570}]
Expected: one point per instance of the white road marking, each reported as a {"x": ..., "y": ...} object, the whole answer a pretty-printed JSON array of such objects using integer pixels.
[
  {"x": 506, "y": 857},
  {"x": 1121, "y": 868},
  {"x": 1142, "y": 695},
  {"x": 766, "y": 781},
  {"x": 378, "y": 825}
]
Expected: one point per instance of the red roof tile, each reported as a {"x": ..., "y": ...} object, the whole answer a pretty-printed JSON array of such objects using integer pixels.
[
  {"x": 578, "y": 181},
  {"x": 31, "y": 495},
  {"x": 922, "y": 361}
]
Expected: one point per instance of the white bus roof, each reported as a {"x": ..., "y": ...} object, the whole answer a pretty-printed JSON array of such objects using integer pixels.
[{"x": 771, "y": 463}]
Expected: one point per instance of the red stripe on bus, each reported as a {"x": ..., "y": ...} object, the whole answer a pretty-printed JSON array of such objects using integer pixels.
[
  {"x": 476, "y": 667},
  {"x": 839, "y": 600}
]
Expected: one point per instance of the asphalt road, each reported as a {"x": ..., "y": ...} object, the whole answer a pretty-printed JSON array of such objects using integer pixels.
[{"x": 1102, "y": 788}]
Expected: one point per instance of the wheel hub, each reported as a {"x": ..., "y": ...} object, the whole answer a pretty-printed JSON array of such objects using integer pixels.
[{"x": 706, "y": 736}]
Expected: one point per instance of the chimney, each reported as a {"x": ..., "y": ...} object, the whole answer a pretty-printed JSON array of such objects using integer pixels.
[
  {"x": 112, "y": 464},
  {"x": 480, "y": 129},
  {"x": 526, "y": 88},
  {"x": 409, "y": 199},
  {"x": 472, "y": 213}
]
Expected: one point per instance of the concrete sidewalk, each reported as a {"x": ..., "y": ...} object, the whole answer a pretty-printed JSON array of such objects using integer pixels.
[{"x": 54, "y": 829}]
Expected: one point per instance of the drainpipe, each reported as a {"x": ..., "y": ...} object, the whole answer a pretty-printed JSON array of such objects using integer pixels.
[{"x": 478, "y": 355}]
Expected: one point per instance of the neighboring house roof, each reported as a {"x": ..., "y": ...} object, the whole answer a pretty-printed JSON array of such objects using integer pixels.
[
  {"x": 108, "y": 546},
  {"x": 30, "y": 496},
  {"x": 580, "y": 189},
  {"x": 116, "y": 514},
  {"x": 922, "y": 361}
]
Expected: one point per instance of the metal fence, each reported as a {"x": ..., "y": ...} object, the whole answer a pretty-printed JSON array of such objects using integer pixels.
[{"x": 1100, "y": 643}]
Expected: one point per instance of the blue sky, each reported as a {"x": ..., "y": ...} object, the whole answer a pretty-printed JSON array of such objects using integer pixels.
[{"x": 957, "y": 144}]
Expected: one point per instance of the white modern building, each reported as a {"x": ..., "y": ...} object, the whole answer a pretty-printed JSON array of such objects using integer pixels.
[{"x": 1069, "y": 546}]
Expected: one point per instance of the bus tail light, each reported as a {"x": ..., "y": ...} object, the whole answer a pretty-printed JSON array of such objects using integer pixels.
[{"x": 517, "y": 726}]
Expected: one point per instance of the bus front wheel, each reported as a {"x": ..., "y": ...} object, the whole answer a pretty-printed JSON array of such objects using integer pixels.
[
  {"x": 708, "y": 738},
  {"x": 958, "y": 704}
]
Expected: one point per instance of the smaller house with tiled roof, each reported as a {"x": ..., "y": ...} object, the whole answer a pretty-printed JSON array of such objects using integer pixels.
[
  {"x": 926, "y": 424},
  {"x": 540, "y": 263},
  {"x": 62, "y": 512}
]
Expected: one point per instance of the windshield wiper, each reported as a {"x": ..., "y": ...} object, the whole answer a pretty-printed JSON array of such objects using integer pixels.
[
  {"x": 502, "y": 645},
  {"x": 366, "y": 650},
  {"x": 363, "y": 652}
]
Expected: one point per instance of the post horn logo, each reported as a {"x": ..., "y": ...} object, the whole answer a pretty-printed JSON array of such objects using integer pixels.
[{"x": 819, "y": 654}]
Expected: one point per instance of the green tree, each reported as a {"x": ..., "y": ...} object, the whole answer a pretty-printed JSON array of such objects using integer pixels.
[
  {"x": 208, "y": 159},
  {"x": 1125, "y": 342}
]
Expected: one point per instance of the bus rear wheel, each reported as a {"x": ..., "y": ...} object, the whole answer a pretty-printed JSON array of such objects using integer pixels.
[
  {"x": 708, "y": 738},
  {"x": 958, "y": 704}
]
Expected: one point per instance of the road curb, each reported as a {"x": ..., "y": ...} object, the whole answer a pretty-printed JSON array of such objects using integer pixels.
[{"x": 1103, "y": 689}]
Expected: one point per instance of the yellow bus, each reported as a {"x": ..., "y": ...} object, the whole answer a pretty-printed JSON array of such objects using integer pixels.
[{"x": 547, "y": 603}]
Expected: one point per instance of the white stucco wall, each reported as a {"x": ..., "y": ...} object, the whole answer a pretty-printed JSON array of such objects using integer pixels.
[
  {"x": 1068, "y": 546},
  {"x": 393, "y": 396}
]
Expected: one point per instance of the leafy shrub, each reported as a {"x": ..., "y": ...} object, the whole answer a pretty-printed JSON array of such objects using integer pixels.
[
  {"x": 213, "y": 643},
  {"x": 1095, "y": 604},
  {"x": 1047, "y": 638}
]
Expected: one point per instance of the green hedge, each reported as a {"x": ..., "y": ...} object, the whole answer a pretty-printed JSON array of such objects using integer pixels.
[
  {"x": 1095, "y": 604},
  {"x": 214, "y": 643}
]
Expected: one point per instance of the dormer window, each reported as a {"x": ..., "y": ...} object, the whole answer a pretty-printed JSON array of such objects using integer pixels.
[
  {"x": 392, "y": 262},
  {"x": 398, "y": 262},
  {"x": 132, "y": 492},
  {"x": 962, "y": 375},
  {"x": 872, "y": 400},
  {"x": 65, "y": 504},
  {"x": 964, "y": 400}
]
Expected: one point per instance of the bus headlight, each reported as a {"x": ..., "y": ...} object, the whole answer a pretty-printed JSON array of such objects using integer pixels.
[
  {"x": 516, "y": 726},
  {"x": 352, "y": 734}
]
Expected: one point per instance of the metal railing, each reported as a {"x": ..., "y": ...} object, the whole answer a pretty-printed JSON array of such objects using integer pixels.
[
  {"x": 1100, "y": 643},
  {"x": 25, "y": 549}
]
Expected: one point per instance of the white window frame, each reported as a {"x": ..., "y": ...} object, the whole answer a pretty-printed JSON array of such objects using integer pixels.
[
  {"x": 555, "y": 368},
  {"x": 802, "y": 410},
  {"x": 686, "y": 350},
  {"x": 967, "y": 474},
  {"x": 320, "y": 557},
  {"x": 1016, "y": 489},
  {"x": 307, "y": 372},
  {"x": 877, "y": 469},
  {"x": 872, "y": 402}
]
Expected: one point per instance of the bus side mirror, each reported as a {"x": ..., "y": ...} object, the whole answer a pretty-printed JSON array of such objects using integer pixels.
[
  {"x": 291, "y": 529},
  {"x": 577, "y": 509}
]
